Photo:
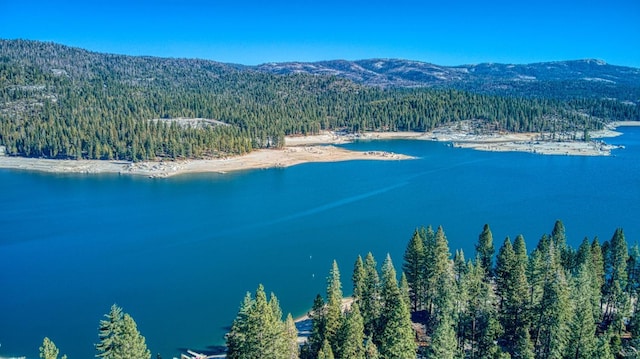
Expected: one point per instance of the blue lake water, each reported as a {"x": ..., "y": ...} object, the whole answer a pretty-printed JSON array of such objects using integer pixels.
[{"x": 179, "y": 254}]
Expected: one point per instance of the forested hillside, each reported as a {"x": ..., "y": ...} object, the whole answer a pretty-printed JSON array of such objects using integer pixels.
[{"x": 63, "y": 102}]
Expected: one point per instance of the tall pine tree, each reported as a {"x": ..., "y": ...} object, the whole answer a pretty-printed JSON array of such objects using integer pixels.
[{"x": 485, "y": 250}]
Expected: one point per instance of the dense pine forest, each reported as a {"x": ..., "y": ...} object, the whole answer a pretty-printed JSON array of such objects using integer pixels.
[
  {"x": 68, "y": 103},
  {"x": 550, "y": 302}
]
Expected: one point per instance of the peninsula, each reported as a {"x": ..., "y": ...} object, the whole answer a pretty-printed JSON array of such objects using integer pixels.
[{"x": 321, "y": 148}]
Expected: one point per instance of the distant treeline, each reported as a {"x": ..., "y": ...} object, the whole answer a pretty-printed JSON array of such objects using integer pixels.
[{"x": 61, "y": 102}]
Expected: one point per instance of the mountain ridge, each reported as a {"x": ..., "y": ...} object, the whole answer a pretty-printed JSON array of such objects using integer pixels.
[
  {"x": 581, "y": 78},
  {"x": 494, "y": 78}
]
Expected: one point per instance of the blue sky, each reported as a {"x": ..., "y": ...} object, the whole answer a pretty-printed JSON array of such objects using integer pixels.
[{"x": 449, "y": 32}]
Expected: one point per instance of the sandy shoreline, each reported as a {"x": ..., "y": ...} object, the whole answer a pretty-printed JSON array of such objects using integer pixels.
[
  {"x": 260, "y": 159},
  {"x": 317, "y": 148}
]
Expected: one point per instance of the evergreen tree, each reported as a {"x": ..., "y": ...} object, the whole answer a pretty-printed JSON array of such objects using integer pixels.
[
  {"x": 48, "y": 350},
  {"x": 358, "y": 278},
  {"x": 120, "y": 338},
  {"x": 522, "y": 347},
  {"x": 318, "y": 325},
  {"x": 131, "y": 343},
  {"x": 598, "y": 275},
  {"x": 481, "y": 326},
  {"x": 633, "y": 271},
  {"x": 512, "y": 288},
  {"x": 325, "y": 351},
  {"x": 404, "y": 290},
  {"x": 333, "y": 314},
  {"x": 437, "y": 263},
  {"x": 603, "y": 348},
  {"x": 352, "y": 341},
  {"x": 291, "y": 347},
  {"x": 109, "y": 331},
  {"x": 443, "y": 341},
  {"x": 257, "y": 332},
  {"x": 236, "y": 337},
  {"x": 555, "y": 314},
  {"x": 396, "y": 331},
  {"x": 616, "y": 280},
  {"x": 582, "y": 339},
  {"x": 485, "y": 250},
  {"x": 459, "y": 264},
  {"x": 370, "y": 301},
  {"x": 414, "y": 262},
  {"x": 559, "y": 238}
]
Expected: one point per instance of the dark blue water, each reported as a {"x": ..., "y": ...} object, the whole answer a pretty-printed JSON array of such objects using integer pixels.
[{"x": 179, "y": 254}]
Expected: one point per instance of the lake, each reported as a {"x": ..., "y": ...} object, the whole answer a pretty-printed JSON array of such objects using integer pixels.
[{"x": 179, "y": 254}]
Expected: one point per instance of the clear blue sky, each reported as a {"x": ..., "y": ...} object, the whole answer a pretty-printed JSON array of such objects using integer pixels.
[{"x": 447, "y": 32}]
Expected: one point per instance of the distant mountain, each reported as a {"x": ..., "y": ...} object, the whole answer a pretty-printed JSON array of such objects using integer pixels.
[{"x": 563, "y": 79}]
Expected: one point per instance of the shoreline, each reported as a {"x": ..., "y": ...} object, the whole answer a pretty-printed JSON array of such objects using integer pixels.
[
  {"x": 259, "y": 159},
  {"x": 321, "y": 148},
  {"x": 543, "y": 143}
]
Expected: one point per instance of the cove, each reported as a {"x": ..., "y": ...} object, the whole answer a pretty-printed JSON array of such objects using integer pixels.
[{"x": 179, "y": 254}]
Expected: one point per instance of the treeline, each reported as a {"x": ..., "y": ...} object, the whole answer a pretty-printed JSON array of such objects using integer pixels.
[
  {"x": 61, "y": 102},
  {"x": 554, "y": 302}
]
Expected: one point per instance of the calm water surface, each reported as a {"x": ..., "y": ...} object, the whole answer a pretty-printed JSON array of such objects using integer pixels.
[{"x": 179, "y": 254}]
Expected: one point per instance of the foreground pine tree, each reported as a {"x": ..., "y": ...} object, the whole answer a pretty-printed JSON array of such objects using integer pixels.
[
  {"x": 48, "y": 350},
  {"x": 120, "y": 338},
  {"x": 259, "y": 332},
  {"x": 397, "y": 338}
]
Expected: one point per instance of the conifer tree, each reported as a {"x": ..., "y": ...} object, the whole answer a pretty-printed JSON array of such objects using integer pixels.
[
  {"x": 485, "y": 250},
  {"x": 555, "y": 312},
  {"x": 413, "y": 268},
  {"x": 437, "y": 263},
  {"x": 48, "y": 350},
  {"x": 318, "y": 325},
  {"x": 370, "y": 301},
  {"x": 582, "y": 339},
  {"x": 616, "y": 279},
  {"x": 443, "y": 341},
  {"x": 520, "y": 250},
  {"x": 511, "y": 287},
  {"x": 325, "y": 351},
  {"x": 522, "y": 347},
  {"x": 352, "y": 332},
  {"x": 358, "y": 278},
  {"x": 237, "y": 336},
  {"x": 459, "y": 264},
  {"x": 120, "y": 338},
  {"x": 291, "y": 347},
  {"x": 559, "y": 238},
  {"x": 396, "y": 335},
  {"x": 132, "y": 344},
  {"x": 333, "y": 314},
  {"x": 404, "y": 290},
  {"x": 603, "y": 348},
  {"x": 257, "y": 332},
  {"x": 633, "y": 271}
]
